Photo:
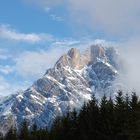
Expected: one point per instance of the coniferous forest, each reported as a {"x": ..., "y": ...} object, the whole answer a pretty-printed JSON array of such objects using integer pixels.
[{"x": 107, "y": 119}]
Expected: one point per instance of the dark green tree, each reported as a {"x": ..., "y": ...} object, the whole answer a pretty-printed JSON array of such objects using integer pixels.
[
  {"x": 120, "y": 116},
  {"x": 11, "y": 134},
  {"x": 24, "y": 132}
]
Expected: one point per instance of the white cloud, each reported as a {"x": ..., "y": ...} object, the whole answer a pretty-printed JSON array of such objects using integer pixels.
[
  {"x": 6, "y": 69},
  {"x": 115, "y": 17},
  {"x": 4, "y": 57},
  {"x": 111, "y": 16},
  {"x": 34, "y": 64},
  {"x": 6, "y": 88},
  {"x": 47, "y": 9},
  {"x": 7, "y": 32},
  {"x": 130, "y": 75},
  {"x": 56, "y": 18}
]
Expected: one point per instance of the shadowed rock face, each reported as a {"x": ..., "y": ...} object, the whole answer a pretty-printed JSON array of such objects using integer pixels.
[
  {"x": 71, "y": 82},
  {"x": 97, "y": 52}
]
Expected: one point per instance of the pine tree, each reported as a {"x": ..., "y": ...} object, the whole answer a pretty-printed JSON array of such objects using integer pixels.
[
  {"x": 127, "y": 110},
  {"x": 33, "y": 134},
  {"x": 120, "y": 116},
  {"x": 104, "y": 125},
  {"x": 117, "y": 119},
  {"x": 135, "y": 117},
  {"x": 57, "y": 132},
  {"x": 93, "y": 118},
  {"x": 42, "y": 134},
  {"x": 24, "y": 132},
  {"x": 11, "y": 134},
  {"x": 74, "y": 130},
  {"x": 83, "y": 123},
  {"x": 111, "y": 119}
]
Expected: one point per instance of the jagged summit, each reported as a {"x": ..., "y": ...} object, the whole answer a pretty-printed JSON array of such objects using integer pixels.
[
  {"x": 76, "y": 60},
  {"x": 72, "y": 81},
  {"x": 97, "y": 51},
  {"x": 71, "y": 59}
]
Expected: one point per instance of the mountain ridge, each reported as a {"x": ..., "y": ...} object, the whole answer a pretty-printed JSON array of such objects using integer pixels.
[{"x": 72, "y": 81}]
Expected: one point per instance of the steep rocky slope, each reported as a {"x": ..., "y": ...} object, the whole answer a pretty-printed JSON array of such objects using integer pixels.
[{"x": 72, "y": 81}]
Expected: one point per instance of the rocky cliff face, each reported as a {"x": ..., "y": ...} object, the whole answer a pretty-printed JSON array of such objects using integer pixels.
[{"x": 72, "y": 81}]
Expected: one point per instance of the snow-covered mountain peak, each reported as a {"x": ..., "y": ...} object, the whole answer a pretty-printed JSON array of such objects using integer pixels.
[{"x": 72, "y": 81}]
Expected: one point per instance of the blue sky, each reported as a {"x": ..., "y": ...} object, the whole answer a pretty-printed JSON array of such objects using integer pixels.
[
  {"x": 29, "y": 41},
  {"x": 34, "y": 33}
]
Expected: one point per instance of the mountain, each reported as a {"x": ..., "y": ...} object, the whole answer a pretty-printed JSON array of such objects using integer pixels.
[{"x": 72, "y": 81}]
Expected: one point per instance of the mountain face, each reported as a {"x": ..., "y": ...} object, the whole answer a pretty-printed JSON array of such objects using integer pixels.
[{"x": 72, "y": 81}]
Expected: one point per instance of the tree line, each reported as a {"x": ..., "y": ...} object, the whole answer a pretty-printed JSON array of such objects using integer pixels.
[{"x": 107, "y": 119}]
